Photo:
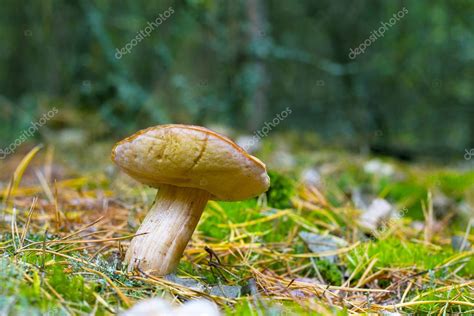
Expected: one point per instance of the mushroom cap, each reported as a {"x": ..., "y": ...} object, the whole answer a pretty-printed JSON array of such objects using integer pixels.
[{"x": 193, "y": 157}]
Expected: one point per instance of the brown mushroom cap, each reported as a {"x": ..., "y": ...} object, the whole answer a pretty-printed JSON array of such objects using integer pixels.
[{"x": 193, "y": 157}]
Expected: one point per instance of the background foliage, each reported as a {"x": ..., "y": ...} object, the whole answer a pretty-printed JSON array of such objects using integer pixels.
[{"x": 240, "y": 63}]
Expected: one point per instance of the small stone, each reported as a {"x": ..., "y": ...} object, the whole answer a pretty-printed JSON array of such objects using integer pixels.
[
  {"x": 186, "y": 282},
  {"x": 228, "y": 291},
  {"x": 378, "y": 167},
  {"x": 460, "y": 244},
  {"x": 323, "y": 243},
  {"x": 311, "y": 176},
  {"x": 378, "y": 211},
  {"x": 161, "y": 307}
]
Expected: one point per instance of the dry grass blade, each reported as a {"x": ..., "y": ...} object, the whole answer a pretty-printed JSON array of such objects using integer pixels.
[
  {"x": 25, "y": 229},
  {"x": 18, "y": 174},
  {"x": 122, "y": 296}
]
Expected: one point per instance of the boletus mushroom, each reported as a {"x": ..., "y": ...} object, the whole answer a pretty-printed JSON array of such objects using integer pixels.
[{"x": 188, "y": 165}]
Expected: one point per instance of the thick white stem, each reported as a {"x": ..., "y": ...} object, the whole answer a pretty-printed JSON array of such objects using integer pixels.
[{"x": 169, "y": 226}]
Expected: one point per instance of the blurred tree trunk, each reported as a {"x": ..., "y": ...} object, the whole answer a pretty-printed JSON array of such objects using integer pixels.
[{"x": 258, "y": 100}]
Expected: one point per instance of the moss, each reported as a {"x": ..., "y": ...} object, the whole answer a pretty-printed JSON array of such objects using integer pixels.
[
  {"x": 282, "y": 189},
  {"x": 330, "y": 272},
  {"x": 395, "y": 253},
  {"x": 225, "y": 212},
  {"x": 206, "y": 275},
  {"x": 213, "y": 222},
  {"x": 249, "y": 306},
  {"x": 72, "y": 287},
  {"x": 27, "y": 296},
  {"x": 455, "y": 183},
  {"x": 451, "y": 309},
  {"x": 409, "y": 194}
]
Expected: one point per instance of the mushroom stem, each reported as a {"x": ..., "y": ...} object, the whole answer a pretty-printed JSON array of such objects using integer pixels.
[{"x": 169, "y": 226}]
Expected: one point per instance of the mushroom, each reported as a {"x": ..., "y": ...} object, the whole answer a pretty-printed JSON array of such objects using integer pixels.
[{"x": 188, "y": 165}]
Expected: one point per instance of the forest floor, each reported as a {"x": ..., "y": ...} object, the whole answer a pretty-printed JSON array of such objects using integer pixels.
[{"x": 358, "y": 235}]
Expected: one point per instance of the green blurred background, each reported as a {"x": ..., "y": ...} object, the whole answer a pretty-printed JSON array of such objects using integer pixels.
[{"x": 239, "y": 64}]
